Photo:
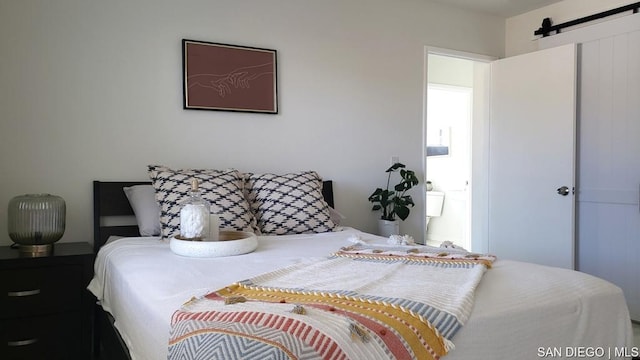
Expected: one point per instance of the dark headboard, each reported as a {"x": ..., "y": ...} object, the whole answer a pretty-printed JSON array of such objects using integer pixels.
[{"x": 109, "y": 200}]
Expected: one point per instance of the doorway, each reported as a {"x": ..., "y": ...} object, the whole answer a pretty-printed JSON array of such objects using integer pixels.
[
  {"x": 448, "y": 163},
  {"x": 455, "y": 149}
]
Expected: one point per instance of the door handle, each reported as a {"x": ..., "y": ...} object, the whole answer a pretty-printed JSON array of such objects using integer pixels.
[
  {"x": 22, "y": 342},
  {"x": 23, "y": 293},
  {"x": 563, "y": 190}
]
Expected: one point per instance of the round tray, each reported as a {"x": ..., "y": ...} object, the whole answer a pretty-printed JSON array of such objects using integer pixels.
[{"x": 230, "y": 243}]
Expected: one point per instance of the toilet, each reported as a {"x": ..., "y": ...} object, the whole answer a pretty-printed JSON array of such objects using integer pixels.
[{"x": 435, "y": 200}]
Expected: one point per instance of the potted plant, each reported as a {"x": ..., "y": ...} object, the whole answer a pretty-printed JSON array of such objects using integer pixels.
[{"x": 394, "y": 203}]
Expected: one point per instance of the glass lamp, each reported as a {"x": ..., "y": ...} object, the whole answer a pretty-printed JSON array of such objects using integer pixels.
[{"x": 36, "y": 221}]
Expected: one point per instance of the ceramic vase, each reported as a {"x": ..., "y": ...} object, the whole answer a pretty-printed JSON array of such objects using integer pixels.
[{"x": 387, "y": 228}]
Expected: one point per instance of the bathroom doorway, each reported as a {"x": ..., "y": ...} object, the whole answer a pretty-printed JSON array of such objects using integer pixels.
[
  {"x": 456, "y": 98},
  {"x": 448, "y": 163}
]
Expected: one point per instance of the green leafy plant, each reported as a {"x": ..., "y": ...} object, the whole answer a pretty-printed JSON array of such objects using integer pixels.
[{"x": 395, "y": 202}]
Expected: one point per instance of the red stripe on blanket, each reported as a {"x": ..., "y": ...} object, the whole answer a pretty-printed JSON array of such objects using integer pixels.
[
  {"x": 389, "y": 337},
  {"x": 320, "y": 342}
]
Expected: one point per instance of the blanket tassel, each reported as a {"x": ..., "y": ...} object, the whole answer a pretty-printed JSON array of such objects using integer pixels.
[
  {"x": 358, "y": 332},
  {"x": 234, "y": 300},
  {"x": 299, "y": 309}
]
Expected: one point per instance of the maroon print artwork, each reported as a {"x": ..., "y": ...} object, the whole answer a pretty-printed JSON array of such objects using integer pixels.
[{"x": 229, "y": 77}]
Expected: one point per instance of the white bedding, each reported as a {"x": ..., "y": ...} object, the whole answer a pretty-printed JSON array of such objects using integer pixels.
[{"x": 521, "y": 311}]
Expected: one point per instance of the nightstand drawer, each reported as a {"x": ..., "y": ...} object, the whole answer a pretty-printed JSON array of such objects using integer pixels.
[
  {"x": 43, "y": 290},
  {"x": 44, "y": 337}
]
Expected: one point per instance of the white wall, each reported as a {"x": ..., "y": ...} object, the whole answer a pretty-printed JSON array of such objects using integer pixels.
[
  {"x": 449, "y": 70},
  {"x": 451, "y": 172},
  {"x": 519, "y": 38},
  {"x": 92, "y": 90}
]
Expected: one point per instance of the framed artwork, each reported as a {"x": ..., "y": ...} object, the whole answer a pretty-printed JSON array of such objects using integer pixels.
[{"x": 229, "y": 77}]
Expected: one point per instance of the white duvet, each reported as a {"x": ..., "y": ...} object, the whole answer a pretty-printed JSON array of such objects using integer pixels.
[{"x": 522, "y": 310}]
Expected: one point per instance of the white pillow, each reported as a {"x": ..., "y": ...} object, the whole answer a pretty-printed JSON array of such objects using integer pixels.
[
  {"x": 336, "y": 216},
  {"x": 143, "y": 202}
]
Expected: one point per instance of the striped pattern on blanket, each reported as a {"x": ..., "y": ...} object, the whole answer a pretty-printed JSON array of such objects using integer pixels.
[{"x": 360, "y": 303}]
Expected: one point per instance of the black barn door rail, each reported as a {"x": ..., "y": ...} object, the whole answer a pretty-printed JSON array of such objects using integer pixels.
[{"x": 547, "y": 26}]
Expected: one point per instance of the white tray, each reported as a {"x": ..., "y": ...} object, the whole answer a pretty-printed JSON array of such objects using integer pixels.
[{"x": 230, "y": 243}]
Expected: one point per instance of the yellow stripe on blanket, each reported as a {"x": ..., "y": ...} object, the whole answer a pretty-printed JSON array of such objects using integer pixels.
[{"x": 423, "y": 339}]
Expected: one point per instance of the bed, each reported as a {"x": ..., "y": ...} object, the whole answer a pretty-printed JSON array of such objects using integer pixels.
[{"x": 518, "y": 310}]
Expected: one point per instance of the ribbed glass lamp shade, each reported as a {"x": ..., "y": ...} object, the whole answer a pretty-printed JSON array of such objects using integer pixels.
[{"x": 36, "y": 219}]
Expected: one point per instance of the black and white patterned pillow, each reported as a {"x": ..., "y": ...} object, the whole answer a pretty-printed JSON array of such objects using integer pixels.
[
  {"x": 288, "y": 204},
  {"x": 222, "y": 188}
]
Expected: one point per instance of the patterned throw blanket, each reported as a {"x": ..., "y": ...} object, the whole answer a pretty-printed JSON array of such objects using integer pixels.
[{"x": 361, "y": 303}]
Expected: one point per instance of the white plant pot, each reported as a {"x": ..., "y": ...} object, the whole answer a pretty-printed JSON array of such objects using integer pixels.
[{"x": 387, "y": 228}]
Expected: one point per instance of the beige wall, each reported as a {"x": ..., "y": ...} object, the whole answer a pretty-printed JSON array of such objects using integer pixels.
[
  {"x": 92, "y": 90},
  {"x": 519, "y": 38}
]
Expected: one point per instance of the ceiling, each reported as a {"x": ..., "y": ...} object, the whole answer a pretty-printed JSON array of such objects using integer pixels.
[{"x": 505, "y": 8}]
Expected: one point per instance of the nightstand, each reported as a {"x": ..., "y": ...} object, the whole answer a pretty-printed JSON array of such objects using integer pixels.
[{"x": 46, "y": 312}]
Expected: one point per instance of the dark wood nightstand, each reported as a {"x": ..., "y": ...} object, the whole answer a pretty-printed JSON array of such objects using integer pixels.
[{"x": 46, "y": 312}]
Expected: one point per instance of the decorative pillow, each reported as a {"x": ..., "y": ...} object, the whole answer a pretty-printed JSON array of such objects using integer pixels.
[
  {"x": 222, "y": 188},
  {"x": 143, "y": 202},
  {"x": 288, "y": 204}
]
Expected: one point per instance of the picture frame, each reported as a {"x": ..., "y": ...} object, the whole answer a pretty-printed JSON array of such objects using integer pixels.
[{"x": 228, "y": 77}]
